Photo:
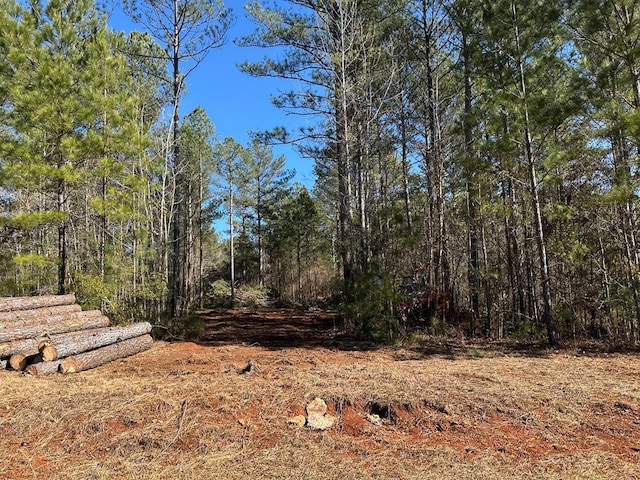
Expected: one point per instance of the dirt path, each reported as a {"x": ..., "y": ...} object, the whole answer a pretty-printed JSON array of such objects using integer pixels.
[{"x": 279, "y": 328}]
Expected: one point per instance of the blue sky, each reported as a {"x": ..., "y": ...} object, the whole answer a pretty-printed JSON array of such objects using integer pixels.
[{"x": 235, "y": 102}]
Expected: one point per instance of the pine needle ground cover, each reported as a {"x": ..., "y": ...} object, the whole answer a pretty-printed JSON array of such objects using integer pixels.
[{"x": 428, "y": 410}]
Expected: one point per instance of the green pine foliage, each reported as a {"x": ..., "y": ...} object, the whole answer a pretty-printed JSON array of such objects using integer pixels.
[{"x": 485, "y": 151}]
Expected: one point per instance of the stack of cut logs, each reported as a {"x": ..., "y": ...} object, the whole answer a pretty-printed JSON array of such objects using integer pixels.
[{"x": 49, "y": 334}]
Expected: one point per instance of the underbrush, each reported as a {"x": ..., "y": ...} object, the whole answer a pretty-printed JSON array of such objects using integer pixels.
[{"x": 220, "y": 295}]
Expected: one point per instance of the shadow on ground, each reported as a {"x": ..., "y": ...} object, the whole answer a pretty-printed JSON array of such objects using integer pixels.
[
  {"x": 279, "y": 328},
  {"x": 294, "y": 328}
]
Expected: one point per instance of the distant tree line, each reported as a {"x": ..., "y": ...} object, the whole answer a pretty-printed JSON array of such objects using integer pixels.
[
  {"x": 109, "y": 192},
  {"x": 484, "y": 151}
]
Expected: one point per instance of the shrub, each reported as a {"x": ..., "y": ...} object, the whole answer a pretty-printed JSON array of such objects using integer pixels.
[
  {"x": 368, "y": 306},
  {"x": 526, "y": 330},
  {"x": 252, "y": 296},
  {"x": 91, "y": 291},
  {"x": 219, "y": 294},
  {"x": 191, "y": 328}
]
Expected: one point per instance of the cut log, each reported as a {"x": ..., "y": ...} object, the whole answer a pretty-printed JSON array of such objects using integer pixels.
[
  {"x": 8, "y": 304},
  {"x": 28, "y": 346},
  {"x": 100, "y": 356},
  {"x": 72, "y": 344},
  {"x": 66, "y": 325},
  {"x": 47, "y": 319},
  {"x": 43, "y": 368},
  {"x": 38, "y": 312},
  {"x": 20, "y": 361},
  {"x": 62, "y": 337}
]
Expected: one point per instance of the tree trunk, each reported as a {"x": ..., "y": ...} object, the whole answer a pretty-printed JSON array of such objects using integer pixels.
[
  {"x": 28, "y": 346},
  {"x": 20, "y": 361},
  {"x": 100, "y": 356},
  {"x": 62, "y": 326},
  {"x": 299, "y": 267},
  {"x": 8, "y": 304},
  {"x": 62, "y": 240},
  {"x": 25, "y": 320},
  {"x": 43, "y": 368},
  {"x": 519, "y": 274},
  {"x": 473, "y": 196},
  {"x": 17, "y": 315},
  {"x": 260, "y": 249},
  {"x": 65, "y": 345},
  {"x": 103, "y": 227},
  {"x": 533, "y": 186},
  {"x": 177, "y": 285},
  {"x": 231, "y": 246},
  {"x": 188, "y": 251},
  {"x": 344, "y": 209},
  {"x": 405, "y": 163},
  {"x": 201, "y": 237}
]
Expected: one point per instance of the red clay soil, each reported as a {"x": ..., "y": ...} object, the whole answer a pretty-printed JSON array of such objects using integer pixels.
[{"x": 520, "y": 430}]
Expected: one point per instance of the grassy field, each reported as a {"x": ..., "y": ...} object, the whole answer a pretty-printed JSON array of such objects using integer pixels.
[{"x": 448, "y": 411}]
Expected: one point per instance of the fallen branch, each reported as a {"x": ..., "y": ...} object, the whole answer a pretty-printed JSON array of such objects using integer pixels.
[{"x": 183, "y": 411}]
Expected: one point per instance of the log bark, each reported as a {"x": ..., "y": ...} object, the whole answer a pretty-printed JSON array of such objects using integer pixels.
[
  {"x": 21, "y": 315},
  {"x": 28, "y": 346},
  {"x": 100, "y": 356},
  {"x": 45, "y": 320},
  {"x": 40, "y": 330},
  {"x": 3, "y": 364},
  {"x": 8, "y": 304},
  {"x": 71, "y": 344},
  {"x": 43, "y": 342},
  {"x": 43, "y": 368}
]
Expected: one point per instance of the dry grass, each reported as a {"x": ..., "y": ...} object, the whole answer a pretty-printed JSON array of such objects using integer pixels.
[{"x": 183, "y": 411}]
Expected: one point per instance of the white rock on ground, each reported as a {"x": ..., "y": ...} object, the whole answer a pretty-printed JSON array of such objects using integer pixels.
[{"x": 317, "y": 418}]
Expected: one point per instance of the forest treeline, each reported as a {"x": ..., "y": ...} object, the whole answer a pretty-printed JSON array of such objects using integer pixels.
[{"x": 484, "y": 151}]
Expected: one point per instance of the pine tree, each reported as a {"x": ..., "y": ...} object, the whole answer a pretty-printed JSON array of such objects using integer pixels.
[
  {"x": 59, "y": 96},
  {"x": 264, "y": 183},
  {"x": 198, "y": 152},
  {"x": 607, "y": 37},
  {"x": 228, "y": 156},
  {"x": 187, "y": 31}
]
